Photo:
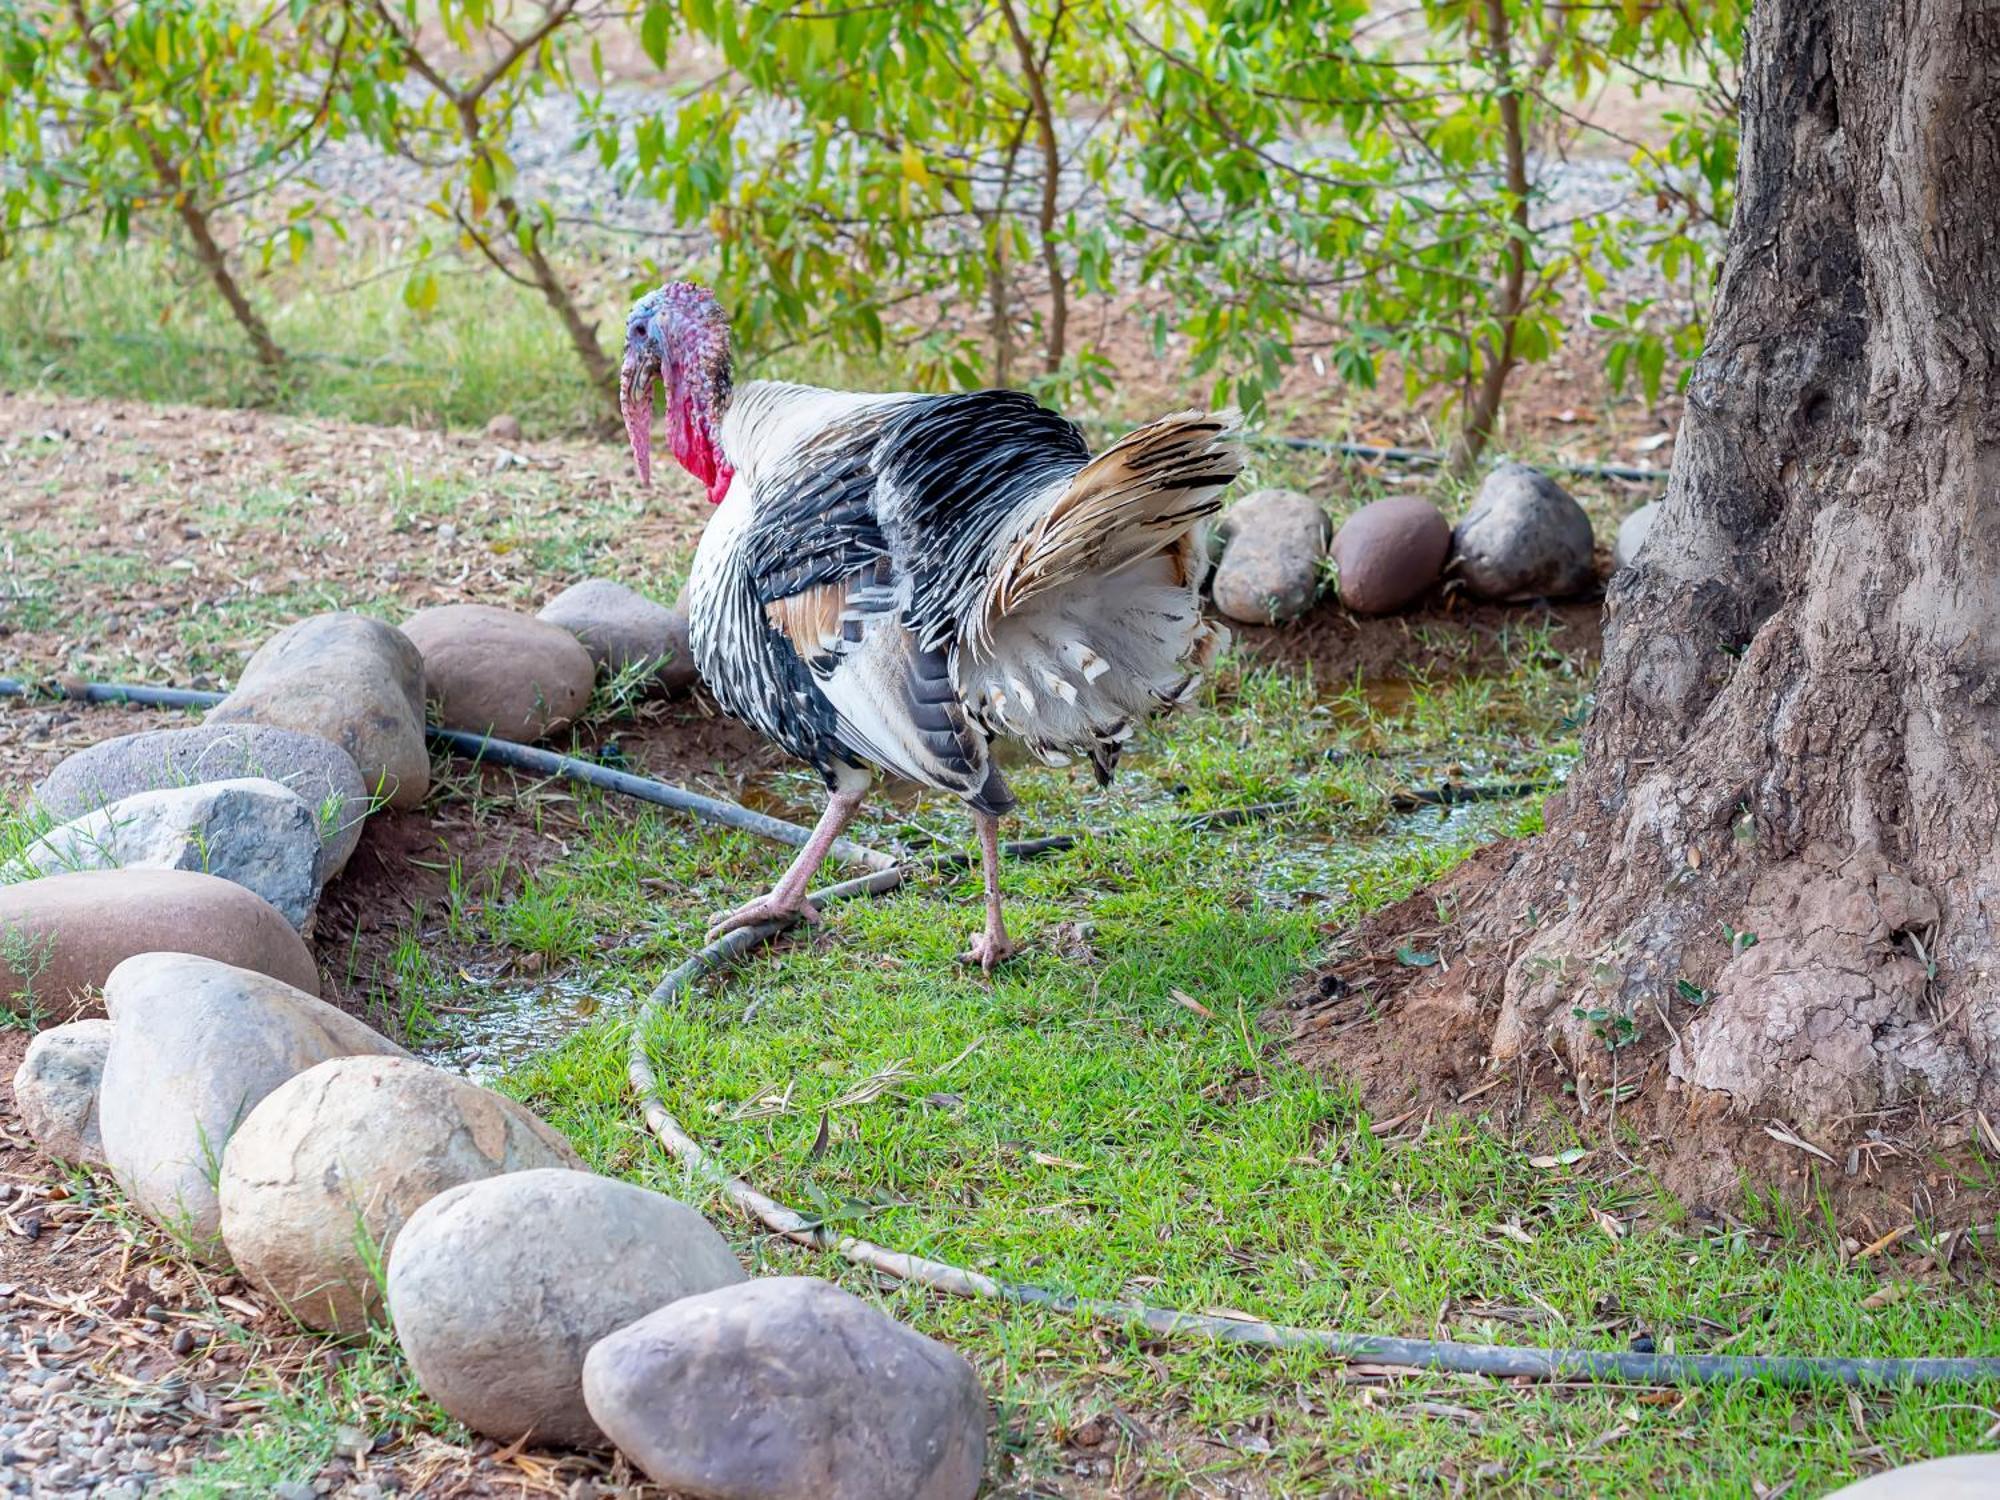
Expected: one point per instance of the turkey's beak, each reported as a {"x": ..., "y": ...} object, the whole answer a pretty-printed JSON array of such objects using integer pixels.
[{"x": 635, "y": 399}]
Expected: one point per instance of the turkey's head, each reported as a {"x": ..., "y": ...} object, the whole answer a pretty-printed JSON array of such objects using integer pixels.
[{"x": 678, "y": 335}]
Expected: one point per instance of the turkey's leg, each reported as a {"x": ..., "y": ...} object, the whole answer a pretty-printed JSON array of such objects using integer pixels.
[
  {"x": 991, "y": 946},
  {"x": 787, "y": 900}
]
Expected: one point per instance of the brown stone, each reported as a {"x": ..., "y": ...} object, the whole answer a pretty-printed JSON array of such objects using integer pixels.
[
  {"x": 320, "y": 1179},
  {"x": 62, "y": 935},
  {"x": 1389, "y": 553},
  {"x": 620, "y": 626},
  {"x": 194, "y": 1045},
  {"x": 498, "y": 672},
  {"x": 1270, "y": 568}
]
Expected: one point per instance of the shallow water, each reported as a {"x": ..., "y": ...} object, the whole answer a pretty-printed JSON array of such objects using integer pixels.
[{"x": 502, "y": 1025}]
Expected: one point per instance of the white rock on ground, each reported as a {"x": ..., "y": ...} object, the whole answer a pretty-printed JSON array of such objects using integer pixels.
[
  {"x": 317, "y": 769},
  {"x": 319, "y": 1180},
  {"x": 1632, "y": 533},
  {"x": 495, "y": 671},
  {"x": 788, "y": 1388},
  {"x": 1524, "y": 538},
  {"x": 1965, "y": 1476},
  {"x": 252, "y": 832},
  {"x": 499, "y": 1288},
  {"x": 351, "y": 680},
  {"x": 55, "y": 1090},
  {"x": 62, "y": 935},
  {"x": 1270, "y": 568},
  {"x": 619, "y": 626},
  {"x": 195, "y": 1045}
]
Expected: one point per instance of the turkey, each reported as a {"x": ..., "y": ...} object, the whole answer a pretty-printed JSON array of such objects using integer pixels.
[{"x": 892, "y": 582}]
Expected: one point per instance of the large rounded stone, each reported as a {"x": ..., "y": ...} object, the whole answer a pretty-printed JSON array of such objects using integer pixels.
[
  {"x": 255, "y": 833},
  {"x": 492, "y": 671},
  {"x": 621, "y": 627},
  {"x": 55, "y": 1089},
  {"x": 789, "y": 1388},
  {"x": 1270, "y": 568},
  {"x": 317, "y": 769},
  {"x": 320, "y": 1179},
  {"x": 1965, "y": 1476},
  {"x": 499, "y": 1288},
  {"x": 1632, "y": 534},
  {"x": 349, "y": 679},
  {"x": 62, "y": 935},
  {"x": 195, "y": 1045},
  {"x": 1389, "y": 553},
  {"x": 1524, "y": 538}
]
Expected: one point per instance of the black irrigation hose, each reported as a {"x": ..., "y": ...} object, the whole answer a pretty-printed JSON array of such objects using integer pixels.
[
  {"x": 500, "y": 753},
  {"x": 1445, "y": 1355}
]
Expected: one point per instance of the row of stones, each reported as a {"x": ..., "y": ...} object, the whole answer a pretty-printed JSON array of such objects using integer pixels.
[{"x": 1524, "y": 537}]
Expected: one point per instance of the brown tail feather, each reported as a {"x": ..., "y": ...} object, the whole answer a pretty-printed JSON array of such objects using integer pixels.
[{"x": 1139, "y": 496}]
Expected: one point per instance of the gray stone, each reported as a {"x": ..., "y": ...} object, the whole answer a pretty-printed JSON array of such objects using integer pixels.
[
  {"x": 320, "y": 1179},
  {"x": 789, "y": 1388},
  {"x": 1270, "y": 568},
  {"x": 619, "y": 626},
  {"x": 195, "y": 1045},
  {"x": 1965, "y": 1476},
  {"x": 62, "y": 935},
  {"x": 317, "y": 769},
  {"x": 1632, "y": 533},
  {"x": 499, "y": 1288},
  {"x": 1389, "y": 553},
  {"x": 498, "y": 672},
  {"x": 252, "y": 832},
  {"x": 55, "y": 1090},
  {"x": 1524, "y": 538},
  {"x": 349, "y": 679}
]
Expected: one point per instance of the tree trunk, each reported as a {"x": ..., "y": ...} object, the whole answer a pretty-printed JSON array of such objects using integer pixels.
[{"x": 1780, "y": 852}]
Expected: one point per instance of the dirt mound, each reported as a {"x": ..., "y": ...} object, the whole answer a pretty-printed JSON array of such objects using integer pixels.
[
  {"x": 1402, "y": 1006},
  {"x": 1451, "y": 636}
]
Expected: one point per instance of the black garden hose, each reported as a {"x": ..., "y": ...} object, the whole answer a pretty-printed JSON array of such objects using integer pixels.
[{"x": 1447, "y": 1355}]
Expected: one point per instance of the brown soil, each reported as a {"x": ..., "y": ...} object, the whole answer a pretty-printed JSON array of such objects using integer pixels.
[
  {"x": 1449, "y": 636},
  {"x": 1410, "y": 1036}
]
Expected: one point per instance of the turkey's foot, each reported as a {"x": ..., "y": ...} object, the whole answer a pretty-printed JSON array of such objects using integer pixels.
[
  {"x": 771, "y": 908},
  {"x": 989, "y": 949}
]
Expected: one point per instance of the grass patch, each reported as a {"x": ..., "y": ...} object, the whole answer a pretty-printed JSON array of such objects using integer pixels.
[{"x": 1107, "y": 1117}]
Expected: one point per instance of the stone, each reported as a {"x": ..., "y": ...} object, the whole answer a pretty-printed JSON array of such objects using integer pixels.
[
  {"x": 319, "y": 1180},
  {"x": 62, "y": 935},
  {"x": 1390, "y": 553},
  {"x": 351, "y": 680},
  {"x": 619, "y": 626},
  {"x": 1524, "y": 538},
  {"x": 494, "y": 671},
  {"x": 504, "y": 428},
  {"x": 55, "y": 1090},
  {"x": 1632, "y": 534},
  {"x": 499, "y": 1288},
  {"x": 1964, "y": 1476},
  {"x": 195, "y": 1045},
  {"x": 317, "y": 769},
  {"x": 788, "y": 1388},
  {"x": 1270, "y": 568},
  {"x": 255, "y": 833}
]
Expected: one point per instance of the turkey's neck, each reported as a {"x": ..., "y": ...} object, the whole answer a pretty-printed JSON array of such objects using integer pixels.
[{"x": 699, "y": 387}]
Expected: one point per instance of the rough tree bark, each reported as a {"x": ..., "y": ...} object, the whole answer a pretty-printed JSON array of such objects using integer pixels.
[{"x": 1796, "y": 734}]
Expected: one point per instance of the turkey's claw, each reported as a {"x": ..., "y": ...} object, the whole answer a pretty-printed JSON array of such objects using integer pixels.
[
  {"x": 989, "y": 950},
  {"x": 771, "y": 908}
]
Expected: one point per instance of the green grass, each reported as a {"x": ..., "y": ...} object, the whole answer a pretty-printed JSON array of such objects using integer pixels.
[{"x": 1077, "y": 1123}]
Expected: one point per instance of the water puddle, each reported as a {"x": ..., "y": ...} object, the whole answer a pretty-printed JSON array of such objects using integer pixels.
[{"x": 498, "y": 1026}]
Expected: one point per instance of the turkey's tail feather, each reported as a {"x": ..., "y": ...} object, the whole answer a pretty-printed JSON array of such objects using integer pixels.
[{"x": 1133, "y": 501}]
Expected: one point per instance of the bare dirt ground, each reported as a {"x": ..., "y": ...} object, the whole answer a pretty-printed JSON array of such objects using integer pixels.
[{"x": 1411, "y": 1037}]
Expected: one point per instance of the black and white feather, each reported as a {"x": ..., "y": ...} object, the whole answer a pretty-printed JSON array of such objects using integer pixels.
[{"x": 894, "y": 581}]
